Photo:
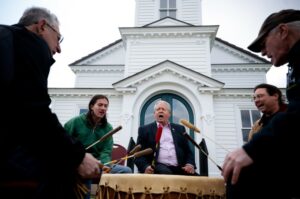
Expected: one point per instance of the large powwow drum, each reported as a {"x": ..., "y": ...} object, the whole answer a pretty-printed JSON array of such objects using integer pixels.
[{"x": 153, "y": 186}]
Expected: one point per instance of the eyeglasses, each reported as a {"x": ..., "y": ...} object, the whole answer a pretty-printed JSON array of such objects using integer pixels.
[{"x": 60, "y": 38}]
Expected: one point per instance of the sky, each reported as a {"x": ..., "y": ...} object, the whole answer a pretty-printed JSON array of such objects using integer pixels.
[{"x": 88, "y": 25}]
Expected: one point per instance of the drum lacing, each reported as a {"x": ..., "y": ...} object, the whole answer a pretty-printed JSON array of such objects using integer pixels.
[
  {"x": 183, "y": 193},
  {"x": 117, "y": 192},
  {"x": 98, "y": 191},
  {"x": 212, "y": 194},
  {"x": 166, "y": 193},
  {"x": 130, "y": 193},
  {"x": 199, "y": 194},
  {"x": 148, "y": 192}
]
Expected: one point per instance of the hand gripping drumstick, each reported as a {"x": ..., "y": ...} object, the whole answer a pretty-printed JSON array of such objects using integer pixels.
[
  {"x": 82, "y": 187},
  {"x": 110, "y": 133}
]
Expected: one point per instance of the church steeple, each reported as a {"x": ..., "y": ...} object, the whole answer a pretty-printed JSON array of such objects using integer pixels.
[{"x": 147, "y": 11}]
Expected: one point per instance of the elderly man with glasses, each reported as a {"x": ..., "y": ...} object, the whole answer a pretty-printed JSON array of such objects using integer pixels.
[
  {"x": 37, "y": 157},
  {"x": 60, "y": 38}
]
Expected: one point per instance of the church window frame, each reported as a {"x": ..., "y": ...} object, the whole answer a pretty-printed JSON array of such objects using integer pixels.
[{"x": 168, "y": 8}]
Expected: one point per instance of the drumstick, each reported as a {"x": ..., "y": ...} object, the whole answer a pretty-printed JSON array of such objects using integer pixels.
[
  {"x": 135, "y": 155},
  {"x": 189, "y": 125},
  {"x": 134, "y": 150},
  {"x": 104, "y": 169},
  {"x": 194, "y": 128},
  {"x": 197, "y": 145},
  {"x": 143, "y": 152},
  {"x": 110, "y": 133}
]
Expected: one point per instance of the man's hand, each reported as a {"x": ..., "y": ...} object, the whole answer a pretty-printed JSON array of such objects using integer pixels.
[
  {"x": 233, "y": 164},
  {"x": 188, "y": 168},
  {"x": 89, "y": 167},
  {"x": 149, "y": 170}
]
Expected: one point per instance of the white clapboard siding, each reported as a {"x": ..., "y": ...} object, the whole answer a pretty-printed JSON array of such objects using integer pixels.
[
  {"x": 114, "y": 116},
  {"x": 146, "y": 12},
  {"x": 103, "y": 79},
  {"x": 190, "y": 11},
  {"x": 186, "y": 52},
  {"x": 228, "y": 122},
  {"x": 222, "y": 56},
  {"x": 115, "y": 55},
  {"x": 68, "y": 107},
  {"x": 240, "y": 79}
]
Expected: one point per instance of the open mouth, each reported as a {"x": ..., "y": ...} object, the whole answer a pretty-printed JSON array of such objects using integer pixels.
[{"x": 261, "y": 107}]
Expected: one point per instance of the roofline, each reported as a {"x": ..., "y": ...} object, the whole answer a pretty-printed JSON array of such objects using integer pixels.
[
  {"x": 162, "y": 63},
  {"x": 167, "y": 18},
  {"x": 243, "y": 50},
  {"x": 95, "y": 52}
]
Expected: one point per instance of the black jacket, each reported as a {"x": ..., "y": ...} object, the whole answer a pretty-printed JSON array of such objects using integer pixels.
[
  {"x": 275, "y": 150},
  {"x": 33, "y": 144},
  {"x": 146, "y": 137}
]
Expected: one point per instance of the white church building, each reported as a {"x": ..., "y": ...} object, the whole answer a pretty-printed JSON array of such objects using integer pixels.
[{"x": 170, "y": 55}]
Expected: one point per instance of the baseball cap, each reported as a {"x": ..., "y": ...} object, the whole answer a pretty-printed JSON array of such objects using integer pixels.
[{"x": 272, "y": 21}]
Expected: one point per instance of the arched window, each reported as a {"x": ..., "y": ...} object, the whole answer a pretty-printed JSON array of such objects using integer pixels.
[{"x": 180, "y": 109}]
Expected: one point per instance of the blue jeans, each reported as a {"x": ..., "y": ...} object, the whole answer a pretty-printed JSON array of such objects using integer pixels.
[
  {"x": 117, "y": 168},
  {"x": 88, "y": 184}
]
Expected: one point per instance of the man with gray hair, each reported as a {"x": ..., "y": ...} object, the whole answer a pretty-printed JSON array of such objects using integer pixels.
[
  {"x": 172, "y": 153},
  {"x": 268, "y": 165},
  {"x": 37, "y": 158}
]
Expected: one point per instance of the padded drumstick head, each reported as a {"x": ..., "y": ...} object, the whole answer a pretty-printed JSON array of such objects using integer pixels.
[
  {"x": 189, "y": 125},
  {"x": 110, "y": 133},
  {"x": 135, "y": 149}
]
